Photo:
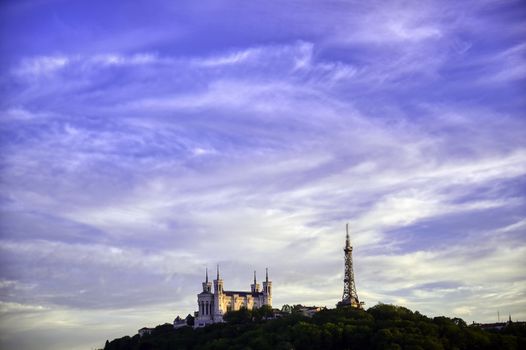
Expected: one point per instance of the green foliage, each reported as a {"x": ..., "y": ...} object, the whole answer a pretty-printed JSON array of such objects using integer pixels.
[
  {"x": 242, "y": 315},
  {"x": 263, "y": 313},
  {"x": 380, "y": 327},
  {"x": 286, "y": 309}
]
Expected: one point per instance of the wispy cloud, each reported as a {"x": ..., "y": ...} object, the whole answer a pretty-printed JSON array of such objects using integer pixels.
[
  {"x": 43, "y": 65},
  {"x": 126, "y": 170}
]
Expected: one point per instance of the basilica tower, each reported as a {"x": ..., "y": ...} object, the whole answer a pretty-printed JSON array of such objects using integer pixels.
[
  {"x": 218, "y": 297},
  {"x": 254, "y": 288},
  {"x": 267, "y": 290},
  {"x": 207, "y": 286},
  {"x": 350, "y": 297}
]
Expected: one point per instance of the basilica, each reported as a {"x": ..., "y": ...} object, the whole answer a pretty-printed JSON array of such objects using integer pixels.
[{"x": 212, "y": 306}]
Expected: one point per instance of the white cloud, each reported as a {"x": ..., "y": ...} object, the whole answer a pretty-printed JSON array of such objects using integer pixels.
[
  {"x": 507, "y": 66},
  {"x": 135, "y": 59},
  {"x": 41, "y": 65},
  {"x": 7, "y": 307},
  {"x": 236, "y": 57},
  {"x": 102, "y": 255},
  {"x": 394, "y": 23},
  {"x": 46, "y": 66}
]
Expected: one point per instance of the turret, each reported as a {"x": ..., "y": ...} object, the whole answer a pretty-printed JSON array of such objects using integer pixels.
[
  {"x": 267, "y": 290},
  {"x": 254, "y": 287},
  {"x": 218, "y": 298},
  {"x": 207, "y": 286},
  {"x": 218, "y": 283}
]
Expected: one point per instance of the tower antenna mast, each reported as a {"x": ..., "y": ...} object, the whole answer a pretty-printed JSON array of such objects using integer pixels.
[{"x": 350, "y": 297}]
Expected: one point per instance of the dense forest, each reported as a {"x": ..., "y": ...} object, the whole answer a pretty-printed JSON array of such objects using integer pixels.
[{"x": 379, "y": 327}]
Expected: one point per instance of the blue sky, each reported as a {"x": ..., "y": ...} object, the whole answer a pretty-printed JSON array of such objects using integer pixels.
[{"x": 141, "y": 142}]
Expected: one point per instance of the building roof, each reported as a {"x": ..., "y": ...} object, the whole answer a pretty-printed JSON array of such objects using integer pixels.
[
  {"x": 311, "y": 307},
  {"x": 232, "y": 292}
]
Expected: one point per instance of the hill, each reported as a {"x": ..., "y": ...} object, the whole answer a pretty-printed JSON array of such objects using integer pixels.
[{"x": 379, "y": 327}]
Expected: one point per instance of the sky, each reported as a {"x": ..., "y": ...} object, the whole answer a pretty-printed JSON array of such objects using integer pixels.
[{"x": 141, "y": 142}]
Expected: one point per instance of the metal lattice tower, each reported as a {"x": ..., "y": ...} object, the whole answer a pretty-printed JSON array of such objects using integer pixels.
[{"x": 350, "y": 297}]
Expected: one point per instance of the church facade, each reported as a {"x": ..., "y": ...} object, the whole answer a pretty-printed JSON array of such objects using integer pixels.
[{"x": 213, "y": 305}]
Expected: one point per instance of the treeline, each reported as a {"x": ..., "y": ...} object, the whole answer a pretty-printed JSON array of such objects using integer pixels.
[{"x": 379, "y": 327}]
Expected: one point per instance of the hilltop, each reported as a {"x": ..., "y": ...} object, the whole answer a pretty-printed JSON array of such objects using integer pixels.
[{"x": 379, "y": 327}]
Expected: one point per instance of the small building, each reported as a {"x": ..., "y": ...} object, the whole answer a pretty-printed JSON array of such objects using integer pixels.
[
  {"x": 309, "y": 311},
  {"x": 277, "y": 313},
  {"x": 145, "y": 330},
  {"x": 179, "y": 322},
  {"x": 497, "y": 326}
]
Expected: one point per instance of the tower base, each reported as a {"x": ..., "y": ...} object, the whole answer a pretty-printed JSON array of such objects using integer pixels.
[{"x": 353, "y": 304}]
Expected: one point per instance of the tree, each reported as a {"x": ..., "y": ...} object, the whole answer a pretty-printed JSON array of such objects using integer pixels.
[
  {"x": 459, "y": 322},
  {"x": 380, "y": 327},
  {"x": 286, "y": 309},
  {"x": 190, "y": 320},
  {"x": 237, "y": 317},
  {"x": 263, "y": 313}
]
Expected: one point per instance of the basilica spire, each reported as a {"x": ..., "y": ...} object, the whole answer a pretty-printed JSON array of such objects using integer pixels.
[
  {"x": 217, "y": 271},
  {"x": 255, "y": 286},
  {"x": 267, "y": 290},
  {"x": 207, "y": 286}
]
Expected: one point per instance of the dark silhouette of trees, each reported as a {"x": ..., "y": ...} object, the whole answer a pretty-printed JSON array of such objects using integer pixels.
[{"x": 380, "y": 327}]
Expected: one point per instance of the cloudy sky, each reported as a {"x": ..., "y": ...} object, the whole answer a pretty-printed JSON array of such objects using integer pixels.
[{"x": 143, "y": 141}]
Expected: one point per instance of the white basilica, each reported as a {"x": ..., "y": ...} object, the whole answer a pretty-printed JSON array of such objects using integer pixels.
[{"x": 212, "y": 306}]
